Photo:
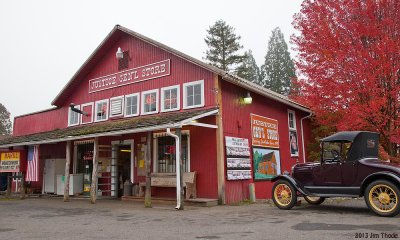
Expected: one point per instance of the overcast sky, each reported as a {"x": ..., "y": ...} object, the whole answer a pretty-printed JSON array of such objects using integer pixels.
[{"x": 43, "y": 43}]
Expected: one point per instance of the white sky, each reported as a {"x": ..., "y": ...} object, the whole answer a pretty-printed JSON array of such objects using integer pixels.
[{"x": 43, "y": 43}]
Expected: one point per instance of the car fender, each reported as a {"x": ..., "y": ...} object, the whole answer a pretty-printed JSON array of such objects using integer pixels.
[
  {"x": 379, "y": 175},
  {"x": 291, "y": 180}
]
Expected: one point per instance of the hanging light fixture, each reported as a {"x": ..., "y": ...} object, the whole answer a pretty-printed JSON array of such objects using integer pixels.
[
  {"x": 248, "y": 99},
  {"x": 119, "y": 54}
]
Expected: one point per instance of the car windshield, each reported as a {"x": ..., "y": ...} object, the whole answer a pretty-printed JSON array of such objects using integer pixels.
[{"x": 335, "y": 151}]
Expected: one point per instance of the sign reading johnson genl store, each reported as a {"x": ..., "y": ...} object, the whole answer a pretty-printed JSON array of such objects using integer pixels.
[
  {"x": 142, "y": 73},
  {"x": 10, "y": 161}
]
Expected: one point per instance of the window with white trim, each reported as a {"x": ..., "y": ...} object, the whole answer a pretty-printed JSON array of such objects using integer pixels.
[
  {"x": 116, "y": 106},
  {"x": 293, "y": 138},
  {"x": 150, "y": 102},
  {"x": 101, "y": 110},
  {"x": 73, "y": 117},
  {"x": 88, "y": 109},
  {"x": 193, "y": 94},
  {"x": 170, "y": 98},
  {"x": 165, "y": 153},
  {"x": 132, "y": 105}
]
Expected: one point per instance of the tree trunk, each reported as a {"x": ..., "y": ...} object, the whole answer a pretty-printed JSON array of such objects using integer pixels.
[
  {"x": 93, "y": 187},
  {"x": 67, "y": 166},
  {"x": 147, "y": 157}
]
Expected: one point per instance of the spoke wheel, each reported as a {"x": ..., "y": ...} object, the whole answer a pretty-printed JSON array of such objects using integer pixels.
[
  {"x": 382, "y": 197},
  {"x": 314, "y": 200},
  {"x": 284, "y": 194}
]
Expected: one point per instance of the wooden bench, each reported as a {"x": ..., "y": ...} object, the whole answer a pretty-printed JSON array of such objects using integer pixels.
[{"x": 169, "y": 180}]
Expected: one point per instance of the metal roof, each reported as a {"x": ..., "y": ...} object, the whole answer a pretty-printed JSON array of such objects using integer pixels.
[
  {"x": 111, "y": 128},
  {"x": 114, "y": 34}
]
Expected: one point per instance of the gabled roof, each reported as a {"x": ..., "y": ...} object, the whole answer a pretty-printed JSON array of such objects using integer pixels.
[
  {"x": 110, "y": 128},
  {"x": 117, "y": 32}
]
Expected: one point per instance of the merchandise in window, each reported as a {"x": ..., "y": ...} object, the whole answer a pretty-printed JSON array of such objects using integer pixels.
[
  {"x": 149, "y": 102},
  {"x": 166, "y": 152},
  {"x": 101, "y": 111}
]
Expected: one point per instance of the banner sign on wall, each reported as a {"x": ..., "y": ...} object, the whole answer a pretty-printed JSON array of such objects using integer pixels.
[
  {"x": 142, "y": 73},
  {"x": 10, "y": 161},
  {"x": 264, "y": 132},
  {"x": 238, "y": 163}
]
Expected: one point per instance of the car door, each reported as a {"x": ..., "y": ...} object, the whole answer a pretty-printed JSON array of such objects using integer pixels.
[{"x": 328, "y": 174}]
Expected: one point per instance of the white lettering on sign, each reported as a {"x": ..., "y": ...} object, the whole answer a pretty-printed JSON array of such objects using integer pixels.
[{"x": 142, "y": 73}]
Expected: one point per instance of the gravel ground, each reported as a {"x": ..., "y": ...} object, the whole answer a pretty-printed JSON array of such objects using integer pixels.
[{"x": 44, "y": 218}]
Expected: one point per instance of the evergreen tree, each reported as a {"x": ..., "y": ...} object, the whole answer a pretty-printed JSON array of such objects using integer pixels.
[
  {"x": 223, "y": 46},
  {"x": 5, "y": 122},
  {"x": 249, "y": 69},
  {"x": 278, "y": 69}
]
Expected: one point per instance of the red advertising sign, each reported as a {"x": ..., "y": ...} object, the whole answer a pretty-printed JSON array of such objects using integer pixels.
[
  {"x": 264, "y": 131},
  {"x": 142, "y": 73}
]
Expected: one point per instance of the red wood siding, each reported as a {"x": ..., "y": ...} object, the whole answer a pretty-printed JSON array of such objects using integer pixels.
[{"x": 236, "y": 120}]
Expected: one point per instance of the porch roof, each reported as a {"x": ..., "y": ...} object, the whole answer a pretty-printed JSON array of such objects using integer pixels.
[{"x": 110, "y": 128}]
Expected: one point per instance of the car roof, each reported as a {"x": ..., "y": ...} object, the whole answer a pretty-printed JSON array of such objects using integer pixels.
[{"x": 345, "y": 136}]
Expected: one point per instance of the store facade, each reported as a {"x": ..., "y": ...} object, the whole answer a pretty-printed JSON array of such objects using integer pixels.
[{"x": 232, "y": 132}]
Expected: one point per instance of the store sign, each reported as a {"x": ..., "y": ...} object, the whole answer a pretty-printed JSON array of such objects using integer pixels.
[
  {"x": 10, "y": 161},
  {"x": 264, "y": 132},
  {"x": 142, "y": 73}
]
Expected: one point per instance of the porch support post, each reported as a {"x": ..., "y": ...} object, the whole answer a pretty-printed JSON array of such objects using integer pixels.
[
  {"x": 67, "y": 167},
  {"x": 147, "y": 162},
  {"x": 9, "y": 184},
  {"x": 93, "y": 187},
  {"x": 220, "y": 142},
  {"x": 22, "y": 186}
]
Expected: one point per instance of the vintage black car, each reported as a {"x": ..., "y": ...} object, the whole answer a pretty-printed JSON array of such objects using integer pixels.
[{"x": 349, "y": 167}]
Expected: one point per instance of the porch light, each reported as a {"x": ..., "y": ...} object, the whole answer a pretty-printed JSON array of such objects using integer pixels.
[
  {"x": 119, "y": 54},
  {"x": 248, "y": 99}
]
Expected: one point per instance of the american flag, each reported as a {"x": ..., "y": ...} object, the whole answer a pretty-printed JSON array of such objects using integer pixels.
[{"x": 32, "y": 173}]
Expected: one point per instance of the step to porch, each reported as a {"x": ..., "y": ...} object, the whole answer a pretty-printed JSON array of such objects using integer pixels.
[{"x": 200, "y": 202}]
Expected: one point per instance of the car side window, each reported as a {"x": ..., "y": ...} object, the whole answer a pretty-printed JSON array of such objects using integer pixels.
[
  {"x": 331, "y": 152},
  {"x": 345, "y": 151}
]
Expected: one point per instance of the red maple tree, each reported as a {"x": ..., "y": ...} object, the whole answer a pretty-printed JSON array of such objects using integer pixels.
[{"x": 349, "y": 63}]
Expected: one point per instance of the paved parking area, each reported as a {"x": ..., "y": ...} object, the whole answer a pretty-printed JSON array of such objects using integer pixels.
[{"x": 112, "y": 219}]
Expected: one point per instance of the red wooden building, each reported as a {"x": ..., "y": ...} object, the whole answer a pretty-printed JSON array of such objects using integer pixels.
[{"x": 132, "y": 85}]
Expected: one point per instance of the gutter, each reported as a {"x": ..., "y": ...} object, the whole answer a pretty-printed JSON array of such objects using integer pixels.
[{"x": 302, "y": 135}]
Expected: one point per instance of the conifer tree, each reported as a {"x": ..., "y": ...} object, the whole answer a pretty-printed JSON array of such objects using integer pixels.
[
  {"x": 249, "y": 69},
  {"x": 223, "y": 46},
  {"x": 5, "y": 122},
  {"x": 278, "y": 68}
]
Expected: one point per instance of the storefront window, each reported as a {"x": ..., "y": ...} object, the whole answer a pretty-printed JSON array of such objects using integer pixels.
[
  {"x": 193, "y": 94},
  {"x": 132, "y": 105},
  {"x": 101, "y": 110},
  {"x": 166, "y": 152},
  {"x": 170, "y": 98},
  {"x": 150, "y": 102}
]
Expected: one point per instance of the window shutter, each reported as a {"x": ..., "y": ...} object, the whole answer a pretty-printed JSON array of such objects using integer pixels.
[{"x": 116, "y": 107}]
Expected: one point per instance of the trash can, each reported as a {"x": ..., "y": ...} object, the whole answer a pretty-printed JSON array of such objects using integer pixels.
[
  {"x": 135, "y": 189},
  {"x": 127, "y": 188}
]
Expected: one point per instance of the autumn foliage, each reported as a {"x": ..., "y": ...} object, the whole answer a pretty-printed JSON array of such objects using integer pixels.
[{"x": 349, "y": 65}]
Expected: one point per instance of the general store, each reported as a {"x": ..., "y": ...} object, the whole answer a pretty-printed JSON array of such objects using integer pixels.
[{"x": 134, "y": 92}]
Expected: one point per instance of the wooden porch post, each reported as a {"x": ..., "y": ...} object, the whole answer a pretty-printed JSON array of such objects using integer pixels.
[
  {"x": 179, "y": 134},
  {"x": 93, "y": 187},
  {"x": 9, "y": 183},
  {"x": 67, "y": 167},
  {"x": 220, "y": 142},
  {"x": 147, "y": 157},
  {"x": 22, "y": 196}
]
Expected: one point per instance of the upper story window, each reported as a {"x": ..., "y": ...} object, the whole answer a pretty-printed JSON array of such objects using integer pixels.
[
  {"x": 293, "y": 138},
  {"x": 193, "y": 94},
  {"x": 170, "y": 98},
  {"x": 73, "y": 117},
  {"x": 150, "y": 102},
  {"x": 101, "y": 110},
  {"x": 88, "y": 109},
  {"x": 132, "y": 105},
  {"x": 116, "y": 106}
]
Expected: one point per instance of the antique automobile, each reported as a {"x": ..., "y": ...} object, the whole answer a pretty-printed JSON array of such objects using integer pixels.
[{"x": 349, "y": 167}]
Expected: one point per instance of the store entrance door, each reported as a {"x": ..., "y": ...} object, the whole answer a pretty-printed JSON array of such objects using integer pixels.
[{"x": 125, "y": 166}]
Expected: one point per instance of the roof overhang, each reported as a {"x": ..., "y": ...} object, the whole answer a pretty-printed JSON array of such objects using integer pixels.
[{"x": 136, "y": 125}]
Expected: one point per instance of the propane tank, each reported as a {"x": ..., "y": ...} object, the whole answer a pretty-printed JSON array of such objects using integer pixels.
[{"x": 127, "y": 188}]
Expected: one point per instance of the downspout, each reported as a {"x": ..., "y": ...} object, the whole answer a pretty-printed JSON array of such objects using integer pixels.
[
  {"x": 178, "y": 169},
  {"x": 302, "y": 135}
]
